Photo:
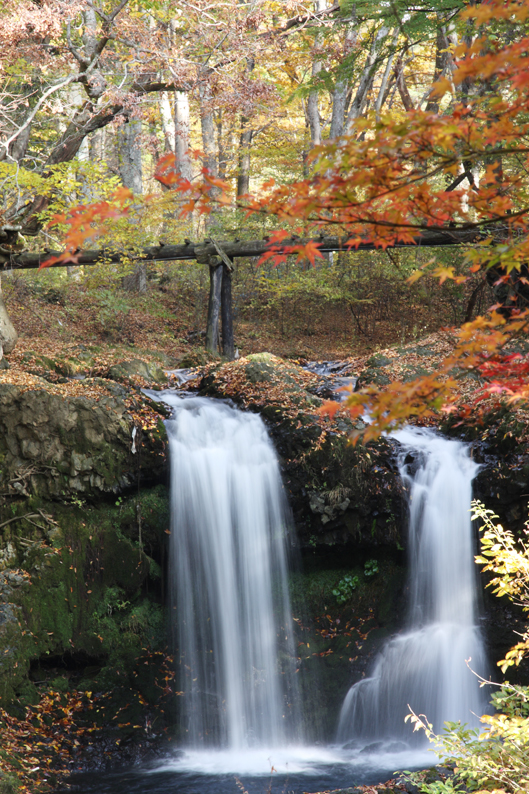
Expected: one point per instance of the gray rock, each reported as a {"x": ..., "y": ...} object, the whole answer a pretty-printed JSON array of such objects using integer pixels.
[
  {"x": 125, "y": 370},
  {"x": 59, "y": 447}
]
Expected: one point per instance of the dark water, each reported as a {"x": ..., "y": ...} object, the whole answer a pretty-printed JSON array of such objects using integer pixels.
[{"x": 307, "y": 769}]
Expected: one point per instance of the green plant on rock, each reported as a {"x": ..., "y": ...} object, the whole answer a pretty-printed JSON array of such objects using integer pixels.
[
  {"x": 371, "y": 568},
  {"x": 345, "y": 588}
]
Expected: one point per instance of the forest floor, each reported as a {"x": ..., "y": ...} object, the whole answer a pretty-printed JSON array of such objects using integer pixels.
[{"x": 170, "y": 317}]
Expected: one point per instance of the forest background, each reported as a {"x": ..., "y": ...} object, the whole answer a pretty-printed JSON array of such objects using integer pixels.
[{"x": 94, "y": 96}]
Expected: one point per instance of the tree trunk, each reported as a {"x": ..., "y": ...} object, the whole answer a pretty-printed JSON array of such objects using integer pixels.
[
  {"x": 313, "y": 111},
  {"x": 183, "y": 160},
  {"x": 228, "y": 346},
  {"x": 401, "y": 85},
  {"x": 367, "y": 78},
  {"x": 441, "y": 56},
  {"x": 207, "y": 124},
  {"x": 222, "y": 158},
  {"x": 168, "y": 123},
  {"x": 245, "y": 142},
  {"x": 8, "y": 335},
  {"x": 243, "y": 174},
  {"x": 129, "y": 155},
  {"x": 383, "y": 90},
  {"x": 129, "y": 159},
  {"x": 215, "y": 289},
  {"x": 97, "y": 146},
  {"x": 339, "y": 95},
  {"x": 137, "y": 280}
]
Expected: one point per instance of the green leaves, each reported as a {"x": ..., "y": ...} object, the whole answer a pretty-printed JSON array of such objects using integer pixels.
[
  {"x": 345, "y": 588},
  {"x": 371, "y": 568}
]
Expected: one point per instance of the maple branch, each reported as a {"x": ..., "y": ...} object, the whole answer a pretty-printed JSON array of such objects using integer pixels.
[
  {"x": 74, "y": 51},
  {"x": 108, "y": 18},
  {"x": 441, "y": 168},
  {"x": 156, "y": 86},
  {"x": 298, "y": 21}
]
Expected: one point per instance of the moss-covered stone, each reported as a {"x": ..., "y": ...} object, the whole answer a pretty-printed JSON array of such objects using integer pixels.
[
  {"x": 337, "y": 638},
  {"x": 86, "y": 588},
  {"x": 126, "y": 371}
]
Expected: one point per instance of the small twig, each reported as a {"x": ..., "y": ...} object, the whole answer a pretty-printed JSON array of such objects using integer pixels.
[{"x": 19, "y": 518}]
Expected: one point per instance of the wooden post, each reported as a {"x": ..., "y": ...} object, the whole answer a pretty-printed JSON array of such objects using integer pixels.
[
  {"x": 228, "y": 348},
  {"x": 215, "y": 286}
]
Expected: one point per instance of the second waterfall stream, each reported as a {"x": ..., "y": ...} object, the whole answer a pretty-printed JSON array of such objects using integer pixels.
[{"x": 427, "y": 667}]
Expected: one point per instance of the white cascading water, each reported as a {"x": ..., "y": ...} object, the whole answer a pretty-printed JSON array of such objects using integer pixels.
[
  {"x": 425, "y": 667},
  {"x": 229, "y": 571}
]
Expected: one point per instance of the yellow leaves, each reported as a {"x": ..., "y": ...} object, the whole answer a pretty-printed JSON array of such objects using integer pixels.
[
  {"x": 415, "y": 276},
  {"x": 440, "y": 88},
  {"x": 508, "y": 559},
  {"x": 483, "y": 13},
  {"x": 85, "y": 222},
  {"x": 515, "y": 655},
  {"x": 444, "y": 273}
]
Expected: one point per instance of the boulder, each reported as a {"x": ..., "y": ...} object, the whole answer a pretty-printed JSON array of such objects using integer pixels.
[{"x": 126, "y": 371}]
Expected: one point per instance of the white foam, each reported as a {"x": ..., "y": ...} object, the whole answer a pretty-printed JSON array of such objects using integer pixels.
[{"x": 295, "y": 760}]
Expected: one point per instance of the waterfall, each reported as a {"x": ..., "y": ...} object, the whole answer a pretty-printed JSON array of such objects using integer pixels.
[
  {"x": 229, "y": 534},
  {"x": 425, "y": 667}
]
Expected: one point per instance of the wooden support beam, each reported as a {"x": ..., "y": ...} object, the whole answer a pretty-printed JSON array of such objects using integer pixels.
[
  {"x": 228, "y": 344},
  {"x": 215, "y": 288}
]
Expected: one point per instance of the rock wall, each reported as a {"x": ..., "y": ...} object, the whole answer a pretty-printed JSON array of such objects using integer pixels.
[{"x": 69, "y": 447}]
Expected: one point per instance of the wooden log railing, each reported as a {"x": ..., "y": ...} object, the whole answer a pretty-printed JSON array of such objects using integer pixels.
[{"x": 220, "y": 256}]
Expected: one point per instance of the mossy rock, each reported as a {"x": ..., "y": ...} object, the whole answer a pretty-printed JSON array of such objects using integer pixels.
[
  {"x": 67, "y": 366},
  {"x": 8, "y": 784},
  {"x": 126, "y": 371},
  {"x": 378, "y": 360},
  {"x": 82, "y": 592},
  {"x": 196, "y": 358}
]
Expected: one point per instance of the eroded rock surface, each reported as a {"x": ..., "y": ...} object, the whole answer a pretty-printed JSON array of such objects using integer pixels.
[{"x": 62, "y": 447}]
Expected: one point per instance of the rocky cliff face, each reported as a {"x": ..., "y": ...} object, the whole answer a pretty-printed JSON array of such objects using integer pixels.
[
  {"x": 65, "y": 447},
  {"x": 340, "y": 494},
  {"x": 83, "y": 522}
]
